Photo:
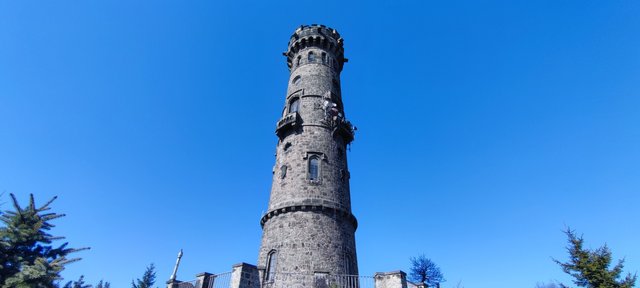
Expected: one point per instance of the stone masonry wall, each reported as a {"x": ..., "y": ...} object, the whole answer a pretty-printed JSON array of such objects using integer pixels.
[{"x": 309, "y": 227}]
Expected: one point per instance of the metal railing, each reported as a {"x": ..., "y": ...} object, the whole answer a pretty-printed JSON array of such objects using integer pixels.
[
  {"x": 292, "y": 280},
  {"x": 188, "y": 284},
  {"x": 222, "y": 280}
]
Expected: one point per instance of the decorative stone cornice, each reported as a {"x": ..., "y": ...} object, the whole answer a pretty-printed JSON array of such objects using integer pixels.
[{"x": 333, "y": 211}]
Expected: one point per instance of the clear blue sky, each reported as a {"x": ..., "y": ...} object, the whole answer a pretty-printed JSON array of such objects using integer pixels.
[{"x": 484, "y": 129}]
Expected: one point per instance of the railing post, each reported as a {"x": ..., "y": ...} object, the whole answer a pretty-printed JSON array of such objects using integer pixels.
[
  {"x": 245, "y": 276},
  {"x": 173, "y": 283},
  {"x": 204, "y": 280},
  {"x": 261, "y": 271},
  {"x": 320, "y": 279},
  {"x": 395, "y": 279}
]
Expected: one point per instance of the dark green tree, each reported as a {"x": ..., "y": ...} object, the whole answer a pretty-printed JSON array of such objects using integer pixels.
[
  {"x": 425, "y": 271},
  {"x": 148, "y": 278},
  {"x": 80, "y": 284},
  {"x": 590, "y": 268},
  {"x": 77, "y": 284},
  {"x": 27, "y": 255},
  {"x": 102, "y": 284}
]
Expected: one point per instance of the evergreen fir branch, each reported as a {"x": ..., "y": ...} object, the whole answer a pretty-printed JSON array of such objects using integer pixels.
[
  {"x": 28, "y": 257},
  {"x": 46, "y": 205}
]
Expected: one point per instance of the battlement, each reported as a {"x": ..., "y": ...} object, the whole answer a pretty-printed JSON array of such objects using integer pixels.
[
  {"x": 314, "y": 29},
  {"x": 316, "y": 35}
]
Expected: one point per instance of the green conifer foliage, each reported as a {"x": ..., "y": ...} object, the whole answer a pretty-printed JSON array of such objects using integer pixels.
[
  {"x": 77, "y": 284},
  {"x": 103, "y": 284},
  {"x": 148, "y": 278},
  {"x": 590, "y": 268},
  {"x": 27, "y": 255}
]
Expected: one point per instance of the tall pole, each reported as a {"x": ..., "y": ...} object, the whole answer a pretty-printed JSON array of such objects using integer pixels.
[{"x": 175, "y": 268}]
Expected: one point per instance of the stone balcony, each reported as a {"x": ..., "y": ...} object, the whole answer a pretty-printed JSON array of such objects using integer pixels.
[{"x": 287, "y": 123}]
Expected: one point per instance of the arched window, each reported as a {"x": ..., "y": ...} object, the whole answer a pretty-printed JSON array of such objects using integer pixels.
[
  {"x": 296, "y": 80},
  {"x": 324, "y": 58},
  {"x": 272, "y": 261},
  {"x": 314, "y": 168},
  {"x": 294, "y": 105},
  {"x": 312, "y": 57}
]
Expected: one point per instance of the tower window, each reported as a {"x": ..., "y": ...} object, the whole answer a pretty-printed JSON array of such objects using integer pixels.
[
  {"x": 294, "y": 106},
  {"x": 312, "y": 57},
  {"x": 272, "y": 261},
  {"x": 296, "y": 80},
  {"x": 314, "y": 168},
  {"x": 283, "y": 171},
  {"x": 324, "y": 58},
  {"x": 298, "y": 61}
]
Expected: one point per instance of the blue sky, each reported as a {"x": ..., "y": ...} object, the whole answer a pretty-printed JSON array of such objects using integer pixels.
[{"x": 484, "y": 129}]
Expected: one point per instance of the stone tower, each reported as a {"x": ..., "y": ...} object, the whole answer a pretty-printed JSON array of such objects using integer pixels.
[{"x": 309, "y": 228}]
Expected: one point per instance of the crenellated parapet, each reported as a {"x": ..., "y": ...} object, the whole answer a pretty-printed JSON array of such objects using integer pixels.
[{"x": 318, "y": 36}]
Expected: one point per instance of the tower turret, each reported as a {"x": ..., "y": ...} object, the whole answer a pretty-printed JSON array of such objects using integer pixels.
[{"x": 309, "y": 227}]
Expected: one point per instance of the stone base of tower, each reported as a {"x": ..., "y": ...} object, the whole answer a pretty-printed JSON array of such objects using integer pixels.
[
  {"x": 245, "y": 275},
  {"x": 317, "y": 240}
]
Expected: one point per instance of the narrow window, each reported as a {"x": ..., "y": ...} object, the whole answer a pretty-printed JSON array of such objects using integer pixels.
[
  {"x": 272, "y": 261},
  {"x": 312, "y": 57},
  {"x": 324, "y": 58},
  {"x": 298, "y": 62},
  {"x": 283, "y": 171},
  {"x": 296, "y": 80},
  {"x": 314, "y": 167},
  {"x": 294, "y": 106}
]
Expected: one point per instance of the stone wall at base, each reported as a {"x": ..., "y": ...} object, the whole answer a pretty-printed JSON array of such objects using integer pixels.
[
  {"x": 396, "y": 279},
  {"x": 244, "y": 275}
]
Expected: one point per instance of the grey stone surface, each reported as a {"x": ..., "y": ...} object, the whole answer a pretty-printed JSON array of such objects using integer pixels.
[
  {"x": 396, "y": 279},
  {"x": 309, "y": 222},
  {"x": 244, "y": 275},
  {"x": 203, "y": 280}
]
